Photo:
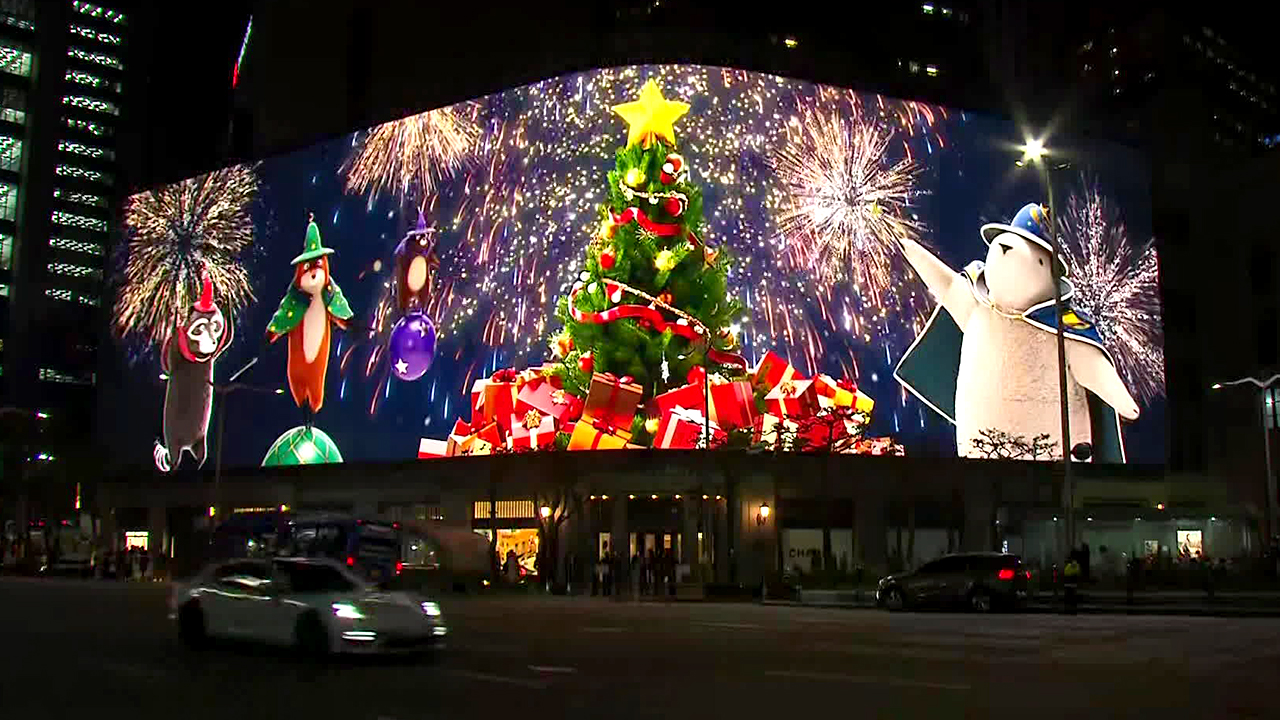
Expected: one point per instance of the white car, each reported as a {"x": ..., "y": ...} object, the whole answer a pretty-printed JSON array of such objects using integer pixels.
[{"x": 313, "y": 604}]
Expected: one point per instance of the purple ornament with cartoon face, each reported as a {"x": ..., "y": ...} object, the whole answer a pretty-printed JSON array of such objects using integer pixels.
[{"x": 412, "y": 346}]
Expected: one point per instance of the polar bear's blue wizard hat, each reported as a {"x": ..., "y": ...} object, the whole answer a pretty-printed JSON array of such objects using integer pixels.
[{"x": 929, "y": 368}]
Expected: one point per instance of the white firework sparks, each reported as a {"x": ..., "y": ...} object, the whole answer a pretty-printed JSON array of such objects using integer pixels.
[
  {"x": 848, "y": 202},
  {"x": 1117, "y": 283},
  {"x": 408, "y": 157}
]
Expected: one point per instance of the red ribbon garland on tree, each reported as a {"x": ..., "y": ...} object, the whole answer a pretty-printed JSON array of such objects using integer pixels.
[
  {"x": 654, "y": 318},
  {"x": 659, "y": 229}
]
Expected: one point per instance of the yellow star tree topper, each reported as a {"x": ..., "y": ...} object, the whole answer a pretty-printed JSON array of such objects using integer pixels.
[{"x": 651, "y": 116}]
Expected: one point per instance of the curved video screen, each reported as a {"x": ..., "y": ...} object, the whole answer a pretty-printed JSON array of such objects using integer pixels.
[{"x": 665, "y": 256}]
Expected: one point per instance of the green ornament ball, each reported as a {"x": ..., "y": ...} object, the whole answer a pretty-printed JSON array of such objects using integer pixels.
[{"x": 302, "y": 446}]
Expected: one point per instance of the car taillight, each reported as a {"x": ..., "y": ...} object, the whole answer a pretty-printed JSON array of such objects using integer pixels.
[
  {"x": 1006, "y": 574},
  {"x": 1028, "y": 574},
  {"x": 399, "y": 567},
  {"x": 350, "y": 561}
]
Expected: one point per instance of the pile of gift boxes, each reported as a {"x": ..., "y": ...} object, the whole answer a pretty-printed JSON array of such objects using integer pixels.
[{"x": 773, "y": 407}]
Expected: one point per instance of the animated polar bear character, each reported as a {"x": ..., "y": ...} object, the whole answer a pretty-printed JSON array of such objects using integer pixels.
[{"x": 988, "y": 357}]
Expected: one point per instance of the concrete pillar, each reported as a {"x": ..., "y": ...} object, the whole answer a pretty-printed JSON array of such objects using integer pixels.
[
  {"x": 457, "y": 507},
  {"x": 757, "y": 548},
  {"x": 720, "y": 525},
  {"x": 870, "y": 527},
  {"x": 158, "y": 540},
  {"x": 108, "y": 530},
  {"x": 620, "y": 547},
  {"x": 689, "y": 531},
  {"x": 979, "y": 514}
]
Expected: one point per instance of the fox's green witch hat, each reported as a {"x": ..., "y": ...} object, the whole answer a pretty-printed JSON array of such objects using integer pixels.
[{"x": 313, "y": 248}]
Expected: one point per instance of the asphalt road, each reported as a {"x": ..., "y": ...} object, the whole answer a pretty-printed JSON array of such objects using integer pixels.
[{"x": 101, "y": 650}]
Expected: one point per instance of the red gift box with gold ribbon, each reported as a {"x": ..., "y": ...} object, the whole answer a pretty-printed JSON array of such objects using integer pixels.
[
  {"x": 612, "y": 400},
  {"x": 792, "y": 398},
  {"x": 596, "y": 434},
  {"x": 843, "y": 392},
  {"x": 685, "y": 428},
  {"x": 733, "y": 403},
  {"x": 773, "y": 369},
  {"x": 549, "y": 399},
  {"x": 532, "y": 430}
]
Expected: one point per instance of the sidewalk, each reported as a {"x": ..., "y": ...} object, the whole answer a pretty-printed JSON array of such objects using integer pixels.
[{"x": 1242, "y": 603}]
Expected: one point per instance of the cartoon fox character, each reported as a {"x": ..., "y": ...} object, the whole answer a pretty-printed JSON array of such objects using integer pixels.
[{"x": 307, "y": 314}]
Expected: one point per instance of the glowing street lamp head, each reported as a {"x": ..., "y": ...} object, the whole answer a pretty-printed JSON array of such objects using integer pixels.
[
  {"x": 1033, "y": 150},
  {"x": 1216, "y": 386},
  {"x": 545, "y": 511}
]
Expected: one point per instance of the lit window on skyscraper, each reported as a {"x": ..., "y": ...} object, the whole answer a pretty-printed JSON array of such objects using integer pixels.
[
  {"x": 60, "y": 217},
  {"x": 97, "y": 11},
  {"x": 8, "y": 200},
  {"x": 88, "y": 126},
  {"x": 91, "y": 80},
  {"x": 10, "y": 153},
  {"x": 91, "y": 151},
  {"x": 95, "y": 57},
  {"x": 88, "y": 103},
  {"x": 102, "y": 37},
  {"x": 80, "y": 198},
  {"x": 6, "y": 250},
  {"x": 79, "y": 173},
  {"x": 80, "y": 246},
  {"x": 15, "y": 61},
  {"x": 71, "y": 270}
]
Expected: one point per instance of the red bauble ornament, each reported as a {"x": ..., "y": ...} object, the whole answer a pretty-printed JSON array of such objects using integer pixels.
[
  {"x": 586, "y": 362},
  {"x": 671, "y": 168},
  {"x": 697, "y": 374},
  {"x": 673, "y": 206},
  {"x": 607, "y": 258}
]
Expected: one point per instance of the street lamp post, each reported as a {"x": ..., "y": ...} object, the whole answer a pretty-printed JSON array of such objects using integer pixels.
[
  {"x": 224, "y": 390},
  {"x": 1273, "y": 517},
  {"x": 1034, "y": 152}
]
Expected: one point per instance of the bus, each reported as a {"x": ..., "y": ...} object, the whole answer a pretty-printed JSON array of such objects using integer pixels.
[{"x": 370, "y": 547}]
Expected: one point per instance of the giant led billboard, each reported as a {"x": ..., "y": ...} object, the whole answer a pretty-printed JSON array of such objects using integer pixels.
[{"x": 645, "y": 257}]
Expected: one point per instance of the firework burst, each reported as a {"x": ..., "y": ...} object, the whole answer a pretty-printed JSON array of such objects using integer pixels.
[
  {"x": 1117, "y": 284},
  {"x": 848, "y": 201},
  {"x": 408, "y": 157},
  {"x": 175, "y": 233}
]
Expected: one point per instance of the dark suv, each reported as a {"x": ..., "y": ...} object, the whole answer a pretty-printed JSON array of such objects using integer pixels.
[{"x": 981, "y": 581}]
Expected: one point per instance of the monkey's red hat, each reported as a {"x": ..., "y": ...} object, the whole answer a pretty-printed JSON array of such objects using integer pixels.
[{"x": 205, "y": 303}]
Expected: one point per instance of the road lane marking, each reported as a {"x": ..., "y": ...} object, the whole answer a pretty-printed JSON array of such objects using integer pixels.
[
  {"x": 867, "y": 680},
  {"x": 599, "y": 629},
  {"x": 521, "y": 682},
  {"x": 731, "y": 626},
  {"x": 553, "y": 669}
]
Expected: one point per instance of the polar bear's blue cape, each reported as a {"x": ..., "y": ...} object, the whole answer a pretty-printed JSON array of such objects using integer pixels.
[{"x": 930, "y": 366}]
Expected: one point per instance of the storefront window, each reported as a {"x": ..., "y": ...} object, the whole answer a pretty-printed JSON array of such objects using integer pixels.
[
  {"x": 136, "y": 539},
  {"x": 1190, "y": 543}
]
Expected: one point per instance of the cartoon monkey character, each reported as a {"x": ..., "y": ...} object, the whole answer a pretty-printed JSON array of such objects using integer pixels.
[
  {"x": 313, "y": 303},
  {"x": 416, "y": 263},
  {"x": 187, "y": 358},
  {"x": 988, "y": 357}
]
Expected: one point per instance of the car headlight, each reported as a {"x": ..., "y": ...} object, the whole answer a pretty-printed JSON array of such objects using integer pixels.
[
  {"x": 348, "y": 611},
  {"x": 431, "y": 609}
]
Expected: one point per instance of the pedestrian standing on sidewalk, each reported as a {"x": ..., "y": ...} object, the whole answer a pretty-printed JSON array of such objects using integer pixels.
[{"x": 1071, "y": 579}]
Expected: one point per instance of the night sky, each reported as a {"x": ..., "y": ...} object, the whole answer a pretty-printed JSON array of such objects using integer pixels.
[{"x": 515, "y": 220}]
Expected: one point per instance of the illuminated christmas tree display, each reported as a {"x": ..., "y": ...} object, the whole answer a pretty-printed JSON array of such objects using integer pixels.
[{"x": 653, "y": 301}]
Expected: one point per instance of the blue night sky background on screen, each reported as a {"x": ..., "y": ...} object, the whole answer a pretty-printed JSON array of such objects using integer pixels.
[{"x": 514, "y": 217}]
